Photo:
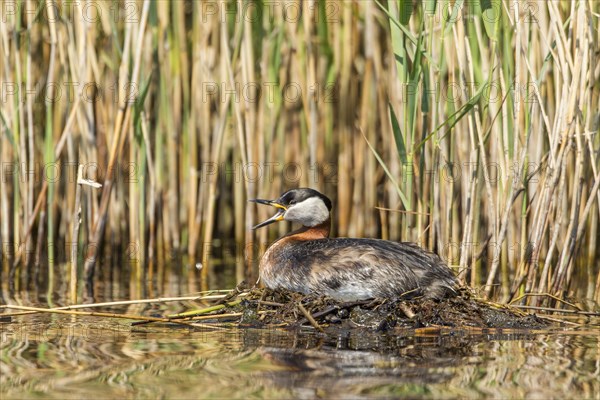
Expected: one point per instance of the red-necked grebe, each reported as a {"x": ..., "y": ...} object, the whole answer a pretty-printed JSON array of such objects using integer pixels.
[{"x": 346, "y": 269}]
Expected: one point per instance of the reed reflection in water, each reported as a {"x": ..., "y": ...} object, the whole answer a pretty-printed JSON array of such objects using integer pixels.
[{"x": 57, "y": 357}]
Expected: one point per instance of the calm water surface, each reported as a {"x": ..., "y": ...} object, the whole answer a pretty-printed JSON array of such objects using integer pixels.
[
  {"x": 66, "y": 357},
  {"x": 56, "y": 356}
]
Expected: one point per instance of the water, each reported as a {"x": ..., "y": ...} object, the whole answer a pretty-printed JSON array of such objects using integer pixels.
[
  {"x": 66, "y": 357},
  {"x": 57, "y": 356}
]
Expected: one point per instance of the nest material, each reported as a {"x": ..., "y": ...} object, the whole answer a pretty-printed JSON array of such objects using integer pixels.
[{"x": 268, "y": 308}]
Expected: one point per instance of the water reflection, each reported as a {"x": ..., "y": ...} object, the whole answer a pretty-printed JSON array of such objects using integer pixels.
[{"x": 61, "y": 357}]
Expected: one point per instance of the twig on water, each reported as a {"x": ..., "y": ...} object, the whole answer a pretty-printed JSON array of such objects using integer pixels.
[
  {"x": 123, "y": 303},
  {"x": 309, "y": 317},
  {"x": 559, "y": 310},
  {"x": 100, "y": 314},
  {"x": 228, "y": 315},
  {"x": 546, "y": 295},
  {"x": 206, "y": 310},
  {"x": 238, "y": 290}
]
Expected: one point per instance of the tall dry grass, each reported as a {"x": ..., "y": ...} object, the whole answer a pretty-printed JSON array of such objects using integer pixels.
[{"x": 468, "y": 127}]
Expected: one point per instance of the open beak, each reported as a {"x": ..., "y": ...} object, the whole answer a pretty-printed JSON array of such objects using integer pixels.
[{"x": 281, "y": 209}]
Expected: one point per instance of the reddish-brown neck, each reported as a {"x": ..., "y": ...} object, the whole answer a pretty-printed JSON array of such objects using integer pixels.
[{"x": 320, "y": 231}]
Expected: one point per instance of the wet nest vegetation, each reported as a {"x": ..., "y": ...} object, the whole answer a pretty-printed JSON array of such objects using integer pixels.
[{"x": 263, "y": 308}]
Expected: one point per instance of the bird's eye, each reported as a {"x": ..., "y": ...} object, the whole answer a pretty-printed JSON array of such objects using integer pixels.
[{"x": 292, "y": 202}]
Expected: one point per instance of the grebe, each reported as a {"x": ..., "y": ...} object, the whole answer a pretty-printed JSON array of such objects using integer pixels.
[{"x": 345, "y": 269}]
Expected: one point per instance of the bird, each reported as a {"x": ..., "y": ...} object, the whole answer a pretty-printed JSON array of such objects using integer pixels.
[{"x": 308, "y": 261}]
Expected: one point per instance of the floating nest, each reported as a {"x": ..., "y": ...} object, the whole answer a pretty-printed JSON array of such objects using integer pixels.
[{"x": 264, "y": 308}]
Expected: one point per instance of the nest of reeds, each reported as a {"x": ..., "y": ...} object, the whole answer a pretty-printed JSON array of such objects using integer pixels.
[{"x": 263, "y": 308}]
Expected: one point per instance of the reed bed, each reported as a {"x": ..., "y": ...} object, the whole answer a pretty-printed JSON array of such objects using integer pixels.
[{"x": 133, "y": 133}]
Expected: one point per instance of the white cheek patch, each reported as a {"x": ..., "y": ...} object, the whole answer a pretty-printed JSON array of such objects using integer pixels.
[{"x": 310, "y": 212}]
